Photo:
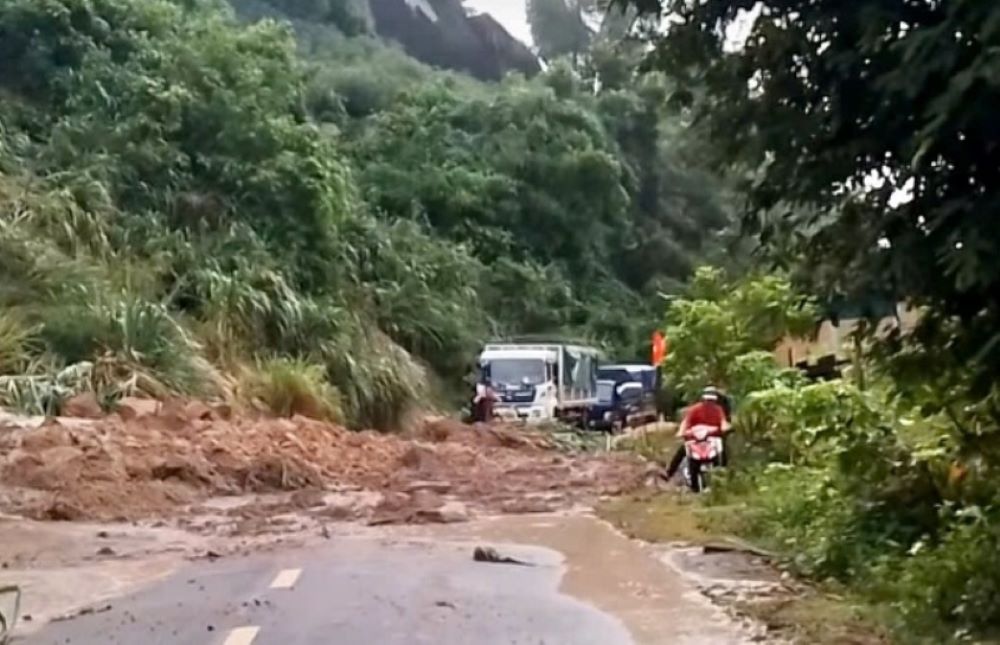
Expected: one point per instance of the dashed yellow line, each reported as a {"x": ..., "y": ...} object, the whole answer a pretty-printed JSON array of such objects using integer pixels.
[
  {"x": 242, "y": 636},
  {"x": 286, "y": 579}
]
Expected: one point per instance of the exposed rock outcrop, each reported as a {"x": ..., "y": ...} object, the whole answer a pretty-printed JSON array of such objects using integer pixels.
[{"x": 443, "y": 34}]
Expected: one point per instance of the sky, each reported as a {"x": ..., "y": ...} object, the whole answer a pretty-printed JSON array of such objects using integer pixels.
[
  {"x": 509, "y": 13},
  {"x": 513, "y": 16}
]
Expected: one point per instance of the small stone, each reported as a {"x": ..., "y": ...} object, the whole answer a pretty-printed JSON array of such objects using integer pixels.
[
  {"x": 223, "y": 411},
  {"x": 448, "y": 513},
  {"x": 105, "y": 550},
  {"x": 82, "y": 406},
  {"x": 196, "y": 410},
  {"x": 132, "y": 407},
  {"x": 441, "y": 488}
]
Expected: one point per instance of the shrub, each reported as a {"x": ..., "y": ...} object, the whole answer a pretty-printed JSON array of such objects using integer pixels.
[
  {"x": 955, "y": 581},
  {"x": 721, "y": 331},
  {"x": 379, "y": 380},
  {"x": 293, "y": 386},
  {"x": 132, "y": 332}
]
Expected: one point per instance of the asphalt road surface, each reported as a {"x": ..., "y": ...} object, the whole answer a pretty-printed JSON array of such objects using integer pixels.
[
  {"x": 349, "y": 592},
  {"x": 412, "y": 585}
]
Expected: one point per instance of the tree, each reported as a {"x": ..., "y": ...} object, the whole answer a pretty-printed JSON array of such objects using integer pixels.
[
  {"x": 869, "y": 141},
  {"x": 559, "y": 28},
  {"x": 522, "y": 173},
  {"x": 180, "y": 114},
  {"x": 722, "y": 332}
]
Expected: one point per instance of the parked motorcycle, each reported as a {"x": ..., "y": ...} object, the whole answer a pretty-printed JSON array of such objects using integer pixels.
[{"x": 703, "y": 448}]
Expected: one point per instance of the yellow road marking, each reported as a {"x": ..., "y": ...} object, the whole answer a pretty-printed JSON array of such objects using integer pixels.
[
  {"x": 242, "y": 636},
  {"x": 286, "y": 579}
]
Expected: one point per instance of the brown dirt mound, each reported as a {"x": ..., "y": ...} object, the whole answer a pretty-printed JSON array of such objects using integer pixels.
[{"x": 133, "y": 466}]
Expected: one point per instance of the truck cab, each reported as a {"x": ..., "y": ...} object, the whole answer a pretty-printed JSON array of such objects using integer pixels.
[
  {"x": 626, "y": 396},
  {"x": 524, "y": 381},
  {"x": 538, "y": 382},
  {"x": 617, "y": 404}
]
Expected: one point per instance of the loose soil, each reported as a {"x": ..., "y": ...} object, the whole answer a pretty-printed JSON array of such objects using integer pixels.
[{"x": 167, "y": 460}]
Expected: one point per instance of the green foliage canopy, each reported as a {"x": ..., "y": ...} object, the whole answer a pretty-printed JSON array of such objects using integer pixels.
[
  {"x": 721, "y": 333},
  {"x": 870, "y": 143}
]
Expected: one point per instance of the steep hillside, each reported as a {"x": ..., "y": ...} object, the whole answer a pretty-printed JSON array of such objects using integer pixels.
[{"x": 191, "y": 203}]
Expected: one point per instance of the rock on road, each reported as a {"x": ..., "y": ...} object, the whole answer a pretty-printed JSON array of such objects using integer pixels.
[{"x": 588, "y": 586}]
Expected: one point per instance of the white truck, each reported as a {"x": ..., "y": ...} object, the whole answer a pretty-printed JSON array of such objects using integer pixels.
[{"x": 540, "y": 381}]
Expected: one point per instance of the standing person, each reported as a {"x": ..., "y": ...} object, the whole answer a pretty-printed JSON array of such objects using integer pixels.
[
  {"x": 482, "y": 403},
  {"x": 712, "y": 409}
]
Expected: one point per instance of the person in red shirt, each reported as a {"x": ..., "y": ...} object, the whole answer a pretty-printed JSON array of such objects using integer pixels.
[{"x": 712, "y": 409}]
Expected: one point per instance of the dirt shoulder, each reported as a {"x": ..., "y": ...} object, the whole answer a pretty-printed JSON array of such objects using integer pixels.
[{"x": 748, "y": 583}]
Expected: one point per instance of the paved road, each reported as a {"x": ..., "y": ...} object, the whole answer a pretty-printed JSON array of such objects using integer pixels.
[
  {"x": 403, "y": 585},
  {"x": 350, "y": 591}
]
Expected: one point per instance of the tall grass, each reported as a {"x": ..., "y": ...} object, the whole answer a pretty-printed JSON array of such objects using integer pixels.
[
  {"x": 380, "y": 381},
  {"x": 288, "y": 386},
  {"x": 143, "y": 308},
  {"x": 14, "y": 344},
  {"x": 133, "y": 332}
]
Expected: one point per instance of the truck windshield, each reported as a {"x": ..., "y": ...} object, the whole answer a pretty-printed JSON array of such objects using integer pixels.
[{"x": 517, "y": 371}]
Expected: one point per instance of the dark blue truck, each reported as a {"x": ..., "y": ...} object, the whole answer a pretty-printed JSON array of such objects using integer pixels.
[{"x": 626, "y": 397}]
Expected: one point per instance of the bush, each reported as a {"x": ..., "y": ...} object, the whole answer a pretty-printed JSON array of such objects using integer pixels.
[
  {"x": 132, "y": 332},
  {"x": 721, "y": 332},
  {"x": 380, "y": 382},
  {"x": 293, "y": 386},
  {"x": 955, "y": 581}
]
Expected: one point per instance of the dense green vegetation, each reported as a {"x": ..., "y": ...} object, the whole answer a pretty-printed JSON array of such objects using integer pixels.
[
  {"x": 864, "y": 136},
  {"x": 264, "y": 201},
  {"x": 857, "y": 487},
  {"x": 194, "y": 203}
]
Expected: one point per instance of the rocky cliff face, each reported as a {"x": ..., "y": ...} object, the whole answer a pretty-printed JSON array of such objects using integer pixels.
[
  {"x": 437, "y": 32},
  {"x": 441, "y": 33}
]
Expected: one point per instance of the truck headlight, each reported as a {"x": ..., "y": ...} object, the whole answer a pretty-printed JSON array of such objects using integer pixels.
[{"x": 607, "y": 416}]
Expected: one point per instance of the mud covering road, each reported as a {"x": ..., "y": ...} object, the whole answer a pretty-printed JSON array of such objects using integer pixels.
[
  {"x": 418, "y": 584},
  {"x": 182, "y": 523},
  {"x": 166, "y": 460}
]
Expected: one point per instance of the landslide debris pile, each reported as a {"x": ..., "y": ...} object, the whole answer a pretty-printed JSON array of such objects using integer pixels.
[{"x": 165, "y": 459}]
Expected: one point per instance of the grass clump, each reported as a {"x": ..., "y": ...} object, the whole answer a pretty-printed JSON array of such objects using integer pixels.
[
  {"x": 655, "y": 445},
  {"x": 290, "y": 386},
  {"x": 380, "y": 382},
  {"x": 131, "y": 332},
  {"x": 14, "y": 344}
]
